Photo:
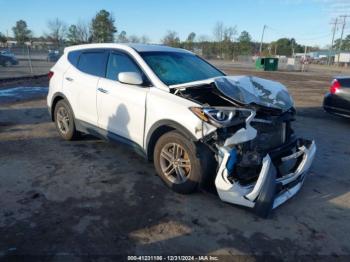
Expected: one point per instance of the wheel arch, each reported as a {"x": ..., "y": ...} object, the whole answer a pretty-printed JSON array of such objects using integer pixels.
[
  {"x": 160, "y": 128},
  {"x": 55, "y": 99}
]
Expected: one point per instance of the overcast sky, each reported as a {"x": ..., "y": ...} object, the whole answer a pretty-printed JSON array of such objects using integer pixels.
[{"x": 308, "y": 21}]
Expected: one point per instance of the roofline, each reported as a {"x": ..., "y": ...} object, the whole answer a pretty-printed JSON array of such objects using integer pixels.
[{"x": 152, "y": 47}]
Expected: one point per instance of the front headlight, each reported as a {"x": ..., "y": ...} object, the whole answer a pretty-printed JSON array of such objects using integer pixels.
[{"x": 218, "y": 116}]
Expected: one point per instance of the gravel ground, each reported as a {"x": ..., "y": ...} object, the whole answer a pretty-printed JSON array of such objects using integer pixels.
[{"x": 89, "y": 199}]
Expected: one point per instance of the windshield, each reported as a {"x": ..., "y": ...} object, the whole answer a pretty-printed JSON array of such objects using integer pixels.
[{"x": 175, "y": 68}]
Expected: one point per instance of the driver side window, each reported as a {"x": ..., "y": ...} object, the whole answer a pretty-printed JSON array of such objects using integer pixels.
[{"x": 118, "y": 63}]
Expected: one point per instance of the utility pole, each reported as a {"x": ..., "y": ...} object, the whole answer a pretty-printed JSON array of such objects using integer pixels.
[
  {"x": 262, "y": 37},
  {"x": 7, "y": 39},
  {"x": 341, "y": 36},
  {"x": 331, "y": 49}
]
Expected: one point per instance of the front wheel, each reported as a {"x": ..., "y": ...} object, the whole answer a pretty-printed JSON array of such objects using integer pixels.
[{"x": 179, "y": 163}]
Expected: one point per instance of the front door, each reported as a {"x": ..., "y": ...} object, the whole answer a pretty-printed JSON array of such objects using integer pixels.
[{"x": 121, "y": 107}]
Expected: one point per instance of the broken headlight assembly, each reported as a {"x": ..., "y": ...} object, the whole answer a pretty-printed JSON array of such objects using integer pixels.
[{"x": 220, "y": 116}]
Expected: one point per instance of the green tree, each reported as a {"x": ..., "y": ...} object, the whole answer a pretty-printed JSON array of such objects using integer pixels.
[
  {"x": 171, "y": 39},
  {"x": 286, "y": 46},
  {"x": 191, "y": 37},
  {"x": 245, "y": 43},
  {"x": 122, "y": 38},
  {"x": 72, "y": 35},
  {"x": 189, "y": 43},
  {"x": 345, "y": 44},
  {"x": 102, "y": 27},
  {"x": 21, "y": 32},
  {"x": 3, "y": 38}
]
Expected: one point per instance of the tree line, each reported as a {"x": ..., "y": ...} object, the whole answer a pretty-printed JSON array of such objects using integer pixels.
[{"x": 225, "y": 43}]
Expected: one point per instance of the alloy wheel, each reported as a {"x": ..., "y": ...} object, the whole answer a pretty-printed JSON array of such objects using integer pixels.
[
  {"x": 63, "y": 122},
  {"x": 175, "y": 163}
]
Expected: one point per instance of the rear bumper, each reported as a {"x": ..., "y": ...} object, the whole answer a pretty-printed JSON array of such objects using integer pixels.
[{"x": 270, "y": 190}]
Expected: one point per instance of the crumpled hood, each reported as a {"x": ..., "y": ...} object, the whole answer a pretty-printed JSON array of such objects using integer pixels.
[
  {"x": 248, "y": 90},
  {"x": 255, "y": 90}
]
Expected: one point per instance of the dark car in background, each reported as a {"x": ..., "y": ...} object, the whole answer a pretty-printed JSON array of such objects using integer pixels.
[
  {"x": 337, "y": 101},
  {"x": 7, "y": 58},
  {"x": 53, "y": 56}
]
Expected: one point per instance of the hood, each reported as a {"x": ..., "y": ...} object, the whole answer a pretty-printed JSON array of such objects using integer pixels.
[{"x": 248, "y": 90}]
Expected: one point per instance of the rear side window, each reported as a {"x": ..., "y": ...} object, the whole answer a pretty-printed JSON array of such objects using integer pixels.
[
  {"x": 344, "y": 82},
  {"x": 93, "y": 63},
  {"x": 118, "y": 63}
]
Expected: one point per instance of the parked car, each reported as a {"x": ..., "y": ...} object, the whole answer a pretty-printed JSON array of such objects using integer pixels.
[
  {"x": 7, "y": 58},
  {"x": 198, "y": 125},
  {"x": 53, "y": 56},
  {"x": 337, "y": 100}
]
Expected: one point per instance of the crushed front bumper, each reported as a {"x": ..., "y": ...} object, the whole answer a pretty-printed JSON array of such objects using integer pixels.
[{"x": 271, "y": 188}]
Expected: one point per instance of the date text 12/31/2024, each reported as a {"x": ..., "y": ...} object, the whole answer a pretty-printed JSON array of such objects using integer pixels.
[{"x": 173, "y": 258}]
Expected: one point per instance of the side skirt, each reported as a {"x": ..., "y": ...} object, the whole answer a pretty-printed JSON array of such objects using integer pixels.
[{"x": 85, "y": 127}]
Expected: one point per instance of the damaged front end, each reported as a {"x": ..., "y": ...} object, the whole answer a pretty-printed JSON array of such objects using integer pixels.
[{"x": 261, "y": 163}]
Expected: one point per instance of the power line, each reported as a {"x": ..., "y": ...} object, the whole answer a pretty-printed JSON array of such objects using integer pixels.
[{"x": 315, "y": 37}]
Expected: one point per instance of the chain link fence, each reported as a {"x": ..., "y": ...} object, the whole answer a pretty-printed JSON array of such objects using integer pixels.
[{"x": 27, "y": 61}]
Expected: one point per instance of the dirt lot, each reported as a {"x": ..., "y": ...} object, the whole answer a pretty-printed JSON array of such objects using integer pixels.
[{"x": 90, "y": 199}]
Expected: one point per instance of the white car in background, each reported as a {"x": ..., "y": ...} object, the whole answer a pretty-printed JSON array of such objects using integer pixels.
[{"x": 199, "y": 126}]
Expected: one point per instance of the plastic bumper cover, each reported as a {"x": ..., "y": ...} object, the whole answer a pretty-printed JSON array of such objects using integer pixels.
[{"x": 267, "y": 192}]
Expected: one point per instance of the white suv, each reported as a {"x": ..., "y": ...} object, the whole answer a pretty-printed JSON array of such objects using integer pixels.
[{"x": 198, "y": 125}]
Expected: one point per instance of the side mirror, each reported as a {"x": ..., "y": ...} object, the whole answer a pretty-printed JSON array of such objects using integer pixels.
[{"x": 130, "y": 78}]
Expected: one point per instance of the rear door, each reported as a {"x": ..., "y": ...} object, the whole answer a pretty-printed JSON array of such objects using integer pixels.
[
  {"x": 80, "y": 81},
  {"x": 121, "y": 107}
]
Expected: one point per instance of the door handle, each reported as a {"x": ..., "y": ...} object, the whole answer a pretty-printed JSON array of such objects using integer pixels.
[
  {"x": 69, "y": 79},
  {"x": 102, "y": 90}
]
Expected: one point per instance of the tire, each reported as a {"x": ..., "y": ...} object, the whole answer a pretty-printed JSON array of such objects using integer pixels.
[
  {"x": 64, "y": 121},
  {"x": 180, "y": 163},
  {"x": 6, "y": 64}
]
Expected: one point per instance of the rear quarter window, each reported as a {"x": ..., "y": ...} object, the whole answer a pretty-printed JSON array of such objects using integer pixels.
[
  {"x": 93, "y": 63},
  {"x": 73, "y": 57}
]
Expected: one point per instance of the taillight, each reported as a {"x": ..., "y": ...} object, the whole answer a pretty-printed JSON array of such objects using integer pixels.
[
  {"x": 335, "y": 86},
  {"x": 50, "y": 74}
]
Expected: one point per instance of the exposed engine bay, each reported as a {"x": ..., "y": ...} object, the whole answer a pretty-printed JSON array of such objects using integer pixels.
[{"x": 261, "y": 162}]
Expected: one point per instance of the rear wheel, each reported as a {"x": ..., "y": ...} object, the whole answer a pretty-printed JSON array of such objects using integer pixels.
[
  {"x": 64, "y": 121},
  {"x": 178, "y": 163}
]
